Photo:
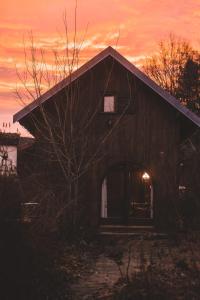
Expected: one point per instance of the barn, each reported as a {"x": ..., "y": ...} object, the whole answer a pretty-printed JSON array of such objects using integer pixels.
[{"x": 137, "y": 128}]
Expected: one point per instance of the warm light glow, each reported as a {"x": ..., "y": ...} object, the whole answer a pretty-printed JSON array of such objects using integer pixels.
[{"x": 145, "y": 176}]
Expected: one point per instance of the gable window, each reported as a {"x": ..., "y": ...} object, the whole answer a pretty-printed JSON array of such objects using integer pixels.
[{"x": 109, "y": 104}]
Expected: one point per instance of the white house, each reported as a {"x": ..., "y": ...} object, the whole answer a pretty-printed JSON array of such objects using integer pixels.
[{"x": 8, "y": 153}]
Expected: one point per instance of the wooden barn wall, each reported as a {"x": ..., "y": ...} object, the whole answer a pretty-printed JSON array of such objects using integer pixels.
[{"x": 147, "y": 136}]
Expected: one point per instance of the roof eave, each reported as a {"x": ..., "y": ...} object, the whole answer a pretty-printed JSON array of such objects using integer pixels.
[
  {"x": 62, "y": 84},
  {"x": 91, "y": 63}
]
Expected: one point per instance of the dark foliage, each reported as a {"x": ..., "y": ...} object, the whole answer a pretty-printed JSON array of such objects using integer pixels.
[
  {"x": 190, "y": 210},
  {"x": 176, "y": 68},
  {"x": 10, "y": 198},
  {"x": 30, "y": 267},
  {"x": 182, "y": 283},
  {"x": 145, "y": 286},
  {"x": 189, "y": 84}
]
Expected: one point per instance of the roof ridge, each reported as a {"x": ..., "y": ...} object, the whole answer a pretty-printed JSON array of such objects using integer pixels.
[{"x": 91, "y": 63}]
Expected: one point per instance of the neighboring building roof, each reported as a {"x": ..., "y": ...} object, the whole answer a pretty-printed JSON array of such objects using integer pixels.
[
  {"x": 14, "y": 139},
  {"x": 124, "y": 62},
  {"x": 9, "y": 139}
]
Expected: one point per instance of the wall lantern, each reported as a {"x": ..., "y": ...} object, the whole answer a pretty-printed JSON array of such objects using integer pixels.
[{"x": 145, "y": 176}]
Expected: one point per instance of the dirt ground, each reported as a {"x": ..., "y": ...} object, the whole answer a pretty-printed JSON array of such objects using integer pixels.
[
  {"x": 173, "y": 263},
  {"x": 41, "y": 268}
]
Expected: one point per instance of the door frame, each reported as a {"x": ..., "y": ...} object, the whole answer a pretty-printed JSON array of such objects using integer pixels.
[{"x": 127, "y": 166}]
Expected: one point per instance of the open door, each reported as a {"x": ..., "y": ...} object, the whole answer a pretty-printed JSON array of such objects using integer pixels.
[
  {"x": 113, "y": 195},
  {"x": 127, "y": 196},
  {"x": 140, "y": 197}
]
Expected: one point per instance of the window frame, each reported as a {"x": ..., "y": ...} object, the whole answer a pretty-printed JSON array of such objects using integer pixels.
[
  {"x": 115, "y": 104},
  {"x": 130, "y": 110}
]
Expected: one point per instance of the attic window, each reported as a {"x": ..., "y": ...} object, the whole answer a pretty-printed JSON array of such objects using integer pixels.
[{"x": 109, "y": 104}]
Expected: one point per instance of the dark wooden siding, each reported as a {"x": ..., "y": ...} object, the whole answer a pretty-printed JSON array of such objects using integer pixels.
[{"x": 147, "y": 135}]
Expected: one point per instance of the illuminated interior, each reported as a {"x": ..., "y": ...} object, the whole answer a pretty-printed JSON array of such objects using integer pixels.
[{"x": 127, "y": 195}]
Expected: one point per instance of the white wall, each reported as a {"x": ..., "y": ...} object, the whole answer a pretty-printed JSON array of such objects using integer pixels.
[{"x": 12, "y": 157}]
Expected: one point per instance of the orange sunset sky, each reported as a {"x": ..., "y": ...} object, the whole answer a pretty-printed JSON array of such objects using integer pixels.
[{"x": 140, "y": 24}]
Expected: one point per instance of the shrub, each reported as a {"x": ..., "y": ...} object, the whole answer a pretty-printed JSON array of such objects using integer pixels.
[
  {"x": 10, "y": 198},
  {"x": 190, "y": 210},
  {"x": 145, "y": 286}
]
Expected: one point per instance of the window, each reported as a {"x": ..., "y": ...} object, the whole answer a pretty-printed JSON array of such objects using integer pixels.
[
  {"x": 109, "y": 104},
  {"x": 8, "y": 160}
]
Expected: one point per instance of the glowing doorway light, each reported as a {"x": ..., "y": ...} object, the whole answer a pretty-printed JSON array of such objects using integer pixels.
[{"x": 145, "y": 176}]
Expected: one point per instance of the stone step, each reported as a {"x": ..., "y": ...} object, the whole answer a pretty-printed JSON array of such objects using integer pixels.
[
  {"x": 131, "y": 222},
  {"x": 136, "y": 235},
  {"x": 145, "y": 231},
  {"x": 126, "y": 229}
]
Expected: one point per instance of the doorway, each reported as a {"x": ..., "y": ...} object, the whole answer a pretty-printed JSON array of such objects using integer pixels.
[{"x": 127, "y": 196}]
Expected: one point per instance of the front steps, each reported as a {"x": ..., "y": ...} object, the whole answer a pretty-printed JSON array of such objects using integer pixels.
[{"x": 134, "y": 231}]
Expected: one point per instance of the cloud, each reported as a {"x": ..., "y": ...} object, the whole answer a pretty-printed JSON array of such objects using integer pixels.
[{"x": 134, "y": 26}]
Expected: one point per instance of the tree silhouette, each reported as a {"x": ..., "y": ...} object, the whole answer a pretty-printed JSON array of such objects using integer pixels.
[
  {"x": 176, "y": 68},
  {"x": 189, "y": 84}
]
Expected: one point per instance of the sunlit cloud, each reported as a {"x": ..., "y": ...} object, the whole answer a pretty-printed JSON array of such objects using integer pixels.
[{"x": 132, "y": 27}]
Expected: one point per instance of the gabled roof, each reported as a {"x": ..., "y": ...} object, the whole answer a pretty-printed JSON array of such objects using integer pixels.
[{"x": 124, "y": 62}]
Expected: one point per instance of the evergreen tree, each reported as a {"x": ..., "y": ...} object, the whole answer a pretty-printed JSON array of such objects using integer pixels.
[{"x": 189, "y": 84}]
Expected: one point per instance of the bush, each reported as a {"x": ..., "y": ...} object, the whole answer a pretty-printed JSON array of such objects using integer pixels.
[
  {"x": 10, "y": 198},
  {"x": 190, "y": 210},
  {"x": 30, "y": 267},
  {"x": 145, "y": 286}
]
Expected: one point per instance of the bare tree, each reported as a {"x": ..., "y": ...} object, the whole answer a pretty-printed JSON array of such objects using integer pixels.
[
  {"x": 165, "y": 67},
  {"x": 64, "y": 130}
]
